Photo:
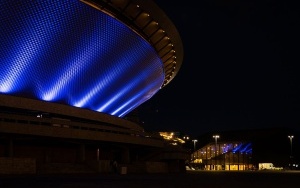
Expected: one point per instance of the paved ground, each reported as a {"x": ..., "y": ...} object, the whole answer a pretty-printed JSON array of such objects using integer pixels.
[{"x": 203, "y": 179}]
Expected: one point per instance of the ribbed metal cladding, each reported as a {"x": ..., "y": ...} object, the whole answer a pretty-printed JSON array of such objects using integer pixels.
[
  {"x": 149, "y": 21},
  {"x": 71, "y": 53}
]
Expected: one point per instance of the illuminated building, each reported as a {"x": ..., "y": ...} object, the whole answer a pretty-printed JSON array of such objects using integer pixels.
[
  {"x": 107, "y": 56},
  {"x": 245, "y": 150},
  {"x": 172, "y": 138},
  {"x": 224, "y": 156},
  {"x": 75, "y": 69}
]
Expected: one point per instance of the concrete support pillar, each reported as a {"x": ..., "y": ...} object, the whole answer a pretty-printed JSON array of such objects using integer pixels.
[
  {"x": 98, "y": 154},
  {"x": 238, "y": 159},
  {"x": 206, "y": 159},
  {"x": 229, "y": 162},
  {"x": 125, "y": 155},
  {"x": 10, "y": 147},
  {"x": 82, "y": 153},
  {"x": 47, "y": 156}
]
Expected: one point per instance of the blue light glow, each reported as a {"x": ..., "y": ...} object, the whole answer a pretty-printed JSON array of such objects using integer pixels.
[
  {"x": 68, "y": 52},
  {"x": 237, "y": 148},
  {"x": 243, "y": 148}
]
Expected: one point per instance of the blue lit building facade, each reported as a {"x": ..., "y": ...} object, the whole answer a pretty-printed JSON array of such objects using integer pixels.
[
  {"x": 70, "y": 73},
  {"x": 246, "y": 149},
  {"x": 106, "y": 56},
  {"x": 224, "y": 156}
]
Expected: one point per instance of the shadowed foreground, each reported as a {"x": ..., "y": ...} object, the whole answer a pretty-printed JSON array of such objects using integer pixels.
[{"x": 210, "y": 179}]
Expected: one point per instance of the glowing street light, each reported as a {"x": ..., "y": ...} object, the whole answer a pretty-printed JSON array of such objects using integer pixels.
[
  {"x": 291, "y": 141},
  {"x": 194, "y": 144},
  {"x": 216, "y": 140}
]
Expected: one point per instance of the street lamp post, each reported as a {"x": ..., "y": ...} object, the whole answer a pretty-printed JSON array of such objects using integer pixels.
[
  {"x": 194, "y": 149},
  {"x": 291, "y": 156},
  {"x": 194, "y": 144},
  {"x": 291, "y": 142},
  {"x": 216, "y": 142}
]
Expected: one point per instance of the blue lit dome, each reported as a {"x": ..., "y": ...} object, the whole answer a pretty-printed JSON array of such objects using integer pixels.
[{"x": 97, "y": 55}]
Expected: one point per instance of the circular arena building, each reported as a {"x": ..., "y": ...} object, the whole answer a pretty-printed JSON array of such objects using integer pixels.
[{"x": 71, "y": 71}]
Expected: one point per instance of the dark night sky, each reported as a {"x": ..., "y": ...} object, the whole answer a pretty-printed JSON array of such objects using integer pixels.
[{"x": 240, "y": 68}]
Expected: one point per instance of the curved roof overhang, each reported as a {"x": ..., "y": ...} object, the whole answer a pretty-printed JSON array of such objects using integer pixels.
[
  {"x": 149, "y": 21},
  {"x": 69, "y": 52}
]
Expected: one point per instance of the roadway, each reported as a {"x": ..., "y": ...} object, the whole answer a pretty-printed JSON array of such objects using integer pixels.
[{"x": 203, "y": 179}]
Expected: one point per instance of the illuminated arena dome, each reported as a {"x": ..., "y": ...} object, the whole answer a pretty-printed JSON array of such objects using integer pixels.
[
  {"x": 70, "y": 73},
  {"x": 108, "y": 56}
]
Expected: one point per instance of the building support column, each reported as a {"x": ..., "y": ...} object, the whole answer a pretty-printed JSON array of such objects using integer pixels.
[
  {"x": 206, "y": 159},
  {"x": 10, "y": 147},
  {"x": 229, "y": 162},
  {"x": 82, "y": 152},
  {"x": 238, "y": 160},
  {"x": 98, "y": 154},
  {"x": 47, "y": 155},
  {"x": 125, "y": 155}
]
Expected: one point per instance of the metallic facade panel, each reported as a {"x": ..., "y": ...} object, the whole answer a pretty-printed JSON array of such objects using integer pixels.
[{"x": 68, "y": 52}]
